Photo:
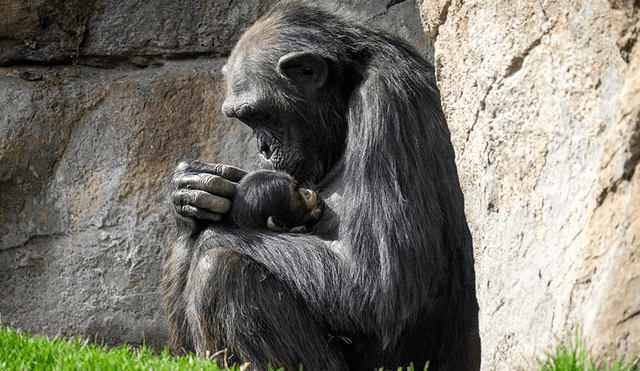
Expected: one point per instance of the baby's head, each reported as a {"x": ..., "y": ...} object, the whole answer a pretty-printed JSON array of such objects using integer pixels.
[{"x": 272, "y": 199}]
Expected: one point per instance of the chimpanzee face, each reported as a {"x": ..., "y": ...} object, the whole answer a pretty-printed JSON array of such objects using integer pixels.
[
  {"x": 282, "y": 95},
  {"x": 306, "y": 205}
]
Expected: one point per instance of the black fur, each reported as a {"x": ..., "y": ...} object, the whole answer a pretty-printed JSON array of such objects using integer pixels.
[
  {"x": 267, "y": 193},
  {"x": 250, "y": 207},
  {"x": 397, "y": 285}
]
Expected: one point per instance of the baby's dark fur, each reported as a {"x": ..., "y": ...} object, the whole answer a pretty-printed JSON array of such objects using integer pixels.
[{"x": 263, "y": 194}]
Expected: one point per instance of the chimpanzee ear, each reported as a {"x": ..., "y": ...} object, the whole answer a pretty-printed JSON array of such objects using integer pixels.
[
  {"x": 304, "y": 68},
  {"x": 274, "y": 224}
]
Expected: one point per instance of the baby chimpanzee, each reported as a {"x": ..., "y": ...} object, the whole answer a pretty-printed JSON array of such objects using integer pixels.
[{"x": 272, "y": 199}]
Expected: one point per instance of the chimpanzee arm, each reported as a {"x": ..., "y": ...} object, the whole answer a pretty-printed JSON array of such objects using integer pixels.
[
  {"x": 267, "y": 298},
  {"x": 201, "y": 192}
]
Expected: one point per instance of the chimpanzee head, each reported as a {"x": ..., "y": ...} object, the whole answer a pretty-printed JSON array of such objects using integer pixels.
[
  {"x": 274, "y": 200},
  {"x": 291, "y": 85}
]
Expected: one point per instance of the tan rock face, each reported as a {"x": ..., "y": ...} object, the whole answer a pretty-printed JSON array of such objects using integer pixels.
[
  {"x": 87, "y": 155},
  {"x": 544, "y": 106}
]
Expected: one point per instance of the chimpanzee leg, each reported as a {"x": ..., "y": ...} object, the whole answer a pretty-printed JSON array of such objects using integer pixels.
[
  {"x": 234, "y": 303},
  {"x": 174, "y": 280}
]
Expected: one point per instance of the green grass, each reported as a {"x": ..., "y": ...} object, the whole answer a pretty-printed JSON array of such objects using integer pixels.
[
  {"x": 20, "y": 351},
  {"x": 573, "y": 356}
]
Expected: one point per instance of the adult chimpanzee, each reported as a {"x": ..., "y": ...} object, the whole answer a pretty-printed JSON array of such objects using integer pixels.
[
  {"x": 273, "y": 200},
  {"x": 386, "y": 275}
]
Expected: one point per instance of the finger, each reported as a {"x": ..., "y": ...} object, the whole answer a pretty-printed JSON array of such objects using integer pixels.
[
  {"x": 201, "y": 200},
  {"x": 211, "y": 183},
  {"x": 232, "y": 173},
  {"x": 207, "y": 201},
  {"x": 190, "y": 210},
  {"x": 228, "y": 172},
  {"x": 182, "y": 167}
]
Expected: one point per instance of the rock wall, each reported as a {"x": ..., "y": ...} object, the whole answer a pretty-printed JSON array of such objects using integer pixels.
[
  {"x": 86, "y": 160},
  {"x": 99, "y": 101},
  {"x": 543, "y": 99}
]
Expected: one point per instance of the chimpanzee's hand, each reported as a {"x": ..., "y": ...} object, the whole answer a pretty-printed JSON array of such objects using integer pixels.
[{"x": 203, "y": 191}]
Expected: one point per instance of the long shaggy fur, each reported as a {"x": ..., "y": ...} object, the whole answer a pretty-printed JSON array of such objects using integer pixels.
[{"x": 397, "y": 285}]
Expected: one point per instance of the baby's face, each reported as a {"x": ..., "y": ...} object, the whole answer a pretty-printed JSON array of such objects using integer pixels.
[{"x": 306, "y": 205}]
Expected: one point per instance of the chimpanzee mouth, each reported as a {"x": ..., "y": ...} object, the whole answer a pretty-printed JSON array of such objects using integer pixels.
[
  {"x": 276, "y": 156},
  {"x": 266, "y": 144},
  {"x": 270, "y": 148}
]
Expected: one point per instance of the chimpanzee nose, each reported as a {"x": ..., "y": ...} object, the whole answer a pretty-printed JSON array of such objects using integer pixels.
[
  {"x": 247, "y": 112},
  {"x": 228, "y": 109}
]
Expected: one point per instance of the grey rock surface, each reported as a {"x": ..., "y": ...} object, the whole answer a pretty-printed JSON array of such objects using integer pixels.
[
  {"x": 543, "y": 100},
  {"x": 104, "y": 32},
  {"x": 87, "y": 156}
]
